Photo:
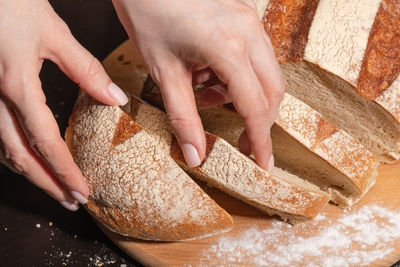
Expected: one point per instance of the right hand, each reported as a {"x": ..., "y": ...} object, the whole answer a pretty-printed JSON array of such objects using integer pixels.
[
  {"x": 30, "y": 141},
  {"x": 185, "y": 41}
]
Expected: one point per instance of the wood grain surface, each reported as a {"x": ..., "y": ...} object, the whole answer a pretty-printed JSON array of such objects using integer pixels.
[{"x": 237, "y": 247}]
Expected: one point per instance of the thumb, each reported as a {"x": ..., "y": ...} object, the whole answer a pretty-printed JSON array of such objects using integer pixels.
[
  {"x": 176, "y": 87},
  {"x": 85, "y": 70}
]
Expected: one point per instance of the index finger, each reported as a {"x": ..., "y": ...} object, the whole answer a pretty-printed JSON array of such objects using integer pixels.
[{"x": 250, "y": 102}]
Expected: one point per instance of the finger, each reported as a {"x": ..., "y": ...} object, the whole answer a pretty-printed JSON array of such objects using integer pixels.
[
  {"x": 41, "y": 130},
  {"x": 268, "y": 72},
  {"x": 248, "y": 98},
  {"x": 245, "y": 148},
  {"x": 177, "y": 92},
  {"x": 84, "y": 69},
  {"x": 214, "y": 96},
  {"x": 19, "y": 157}
]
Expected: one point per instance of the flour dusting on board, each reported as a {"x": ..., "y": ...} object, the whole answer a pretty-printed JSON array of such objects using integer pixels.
[{"x": 357, "y": 238}]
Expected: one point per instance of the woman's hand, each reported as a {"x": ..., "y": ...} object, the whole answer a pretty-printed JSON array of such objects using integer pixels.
[
  {"x": 30, "y": 142},
  {"x": 187, "y": 41}
]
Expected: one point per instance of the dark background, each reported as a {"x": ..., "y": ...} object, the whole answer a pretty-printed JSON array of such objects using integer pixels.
[
  {"x": 34, "y": 229},
  {"x": 73, "y": 239}
]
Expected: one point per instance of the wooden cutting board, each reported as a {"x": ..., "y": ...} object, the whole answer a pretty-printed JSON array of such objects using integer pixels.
[{"x": 367, "y": 234}]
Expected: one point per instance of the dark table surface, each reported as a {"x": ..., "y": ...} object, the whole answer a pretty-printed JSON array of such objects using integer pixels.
[{"x": 34, "y": 229}]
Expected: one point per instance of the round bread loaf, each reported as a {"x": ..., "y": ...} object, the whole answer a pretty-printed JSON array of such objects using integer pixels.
[{"x": 136, "y": 189}]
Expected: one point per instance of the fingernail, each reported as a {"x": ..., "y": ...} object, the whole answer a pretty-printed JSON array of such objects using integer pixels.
[
  {"x": 78, "y": 196},
  {"x": 191, "y": 156},
  {"x": 69, "y": 206},
  {"x": 118, "y": 94},
  {"x": 271, "y": 163}
]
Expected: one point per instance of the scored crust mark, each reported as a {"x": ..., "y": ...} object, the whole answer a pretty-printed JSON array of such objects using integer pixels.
[
  {"x": 125, "y": 128},
  {"x": 325, "y": 129},
  {"x": 288, "y": 23},
  {"x": 381, "y": 63}
]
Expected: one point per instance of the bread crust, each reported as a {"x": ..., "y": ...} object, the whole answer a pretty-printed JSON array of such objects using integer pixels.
[
  {"x": 381, "y": 64},
  {"x": 287, "y": 24},
  {"x": 135, "y": 188}
]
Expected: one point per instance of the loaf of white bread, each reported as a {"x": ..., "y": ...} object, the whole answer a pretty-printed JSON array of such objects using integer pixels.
[{"x": 342, "y": 57}]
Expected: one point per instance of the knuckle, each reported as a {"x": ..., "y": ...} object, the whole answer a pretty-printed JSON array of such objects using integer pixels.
[
  {"x": 229, "y": 41},
  {"x": 13, "y": 90},
  {"x": 9, "y": 88},
  {"x": 258, "y": 112},
  {"x": 62, "y": 27},
  {"x": 94, "y": 69},
  {"x": 247, "y": 15},
  {"x": 178, "y": 121},
  {"x": 163, "y": 70},
  {"x": 43, "y": 147},
  {"x": 155, "y": 72},
  {"x": 279, "y": 89},
  {"x": 17, "y": 161},
  {"x": 234, "y": 45}
]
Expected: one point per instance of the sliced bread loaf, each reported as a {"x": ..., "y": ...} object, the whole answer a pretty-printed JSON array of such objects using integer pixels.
[
  {"x": 136, "y": 189},
  {"x": 304, "y": 143},
  {"x": 224, "y": 167},
  {"x": 308, "y": 145}
]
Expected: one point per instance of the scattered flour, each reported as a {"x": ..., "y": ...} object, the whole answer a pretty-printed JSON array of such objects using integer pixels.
[{"x": 356, "y": 239}]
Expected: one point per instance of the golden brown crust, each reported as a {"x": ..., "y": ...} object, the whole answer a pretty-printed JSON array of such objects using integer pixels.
[
  {"x": 325, "y": 129},
  {"x": 287, "y": 23},
  {"x": 186, "y": 230},
  {"x": 381, "y": 64},
  {"x": 125, "y": 128}
]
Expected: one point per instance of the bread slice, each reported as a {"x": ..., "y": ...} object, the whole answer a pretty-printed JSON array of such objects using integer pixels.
[
  {"x": 342, "y": 59},
  {"x": 304, "y": 143},
  {"x": 308, "y": 145},
  {"x": 224, "y": 167},
  {"x": 136, "y": 189}
]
